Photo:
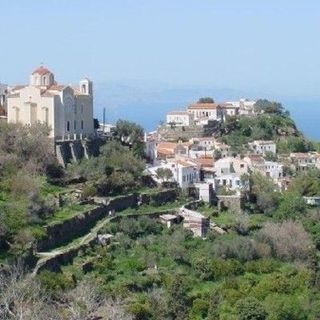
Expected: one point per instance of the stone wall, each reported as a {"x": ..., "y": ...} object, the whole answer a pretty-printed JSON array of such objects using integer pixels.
[
  {"x": 75, "y": 150},
  {"x": 62, "y": 233},
  {"x": 188, "y": 132},
  {"x": 65, "y": 231},
  {"x": 54, "y": 263},
  {"x": 160, "y": 197},
  {"x": 233, "y": 203}
]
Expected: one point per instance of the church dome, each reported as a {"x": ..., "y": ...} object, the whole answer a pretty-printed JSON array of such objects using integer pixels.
[
  {"x": 42, "y": 77},
  {"x": 41, "y": 71}
]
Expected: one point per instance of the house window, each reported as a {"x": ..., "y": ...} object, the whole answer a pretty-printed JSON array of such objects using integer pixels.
[
  {"x": 68, "y": 126},
  {"x": 82, "y": 124},
  {"x": 74, "y": 124}
]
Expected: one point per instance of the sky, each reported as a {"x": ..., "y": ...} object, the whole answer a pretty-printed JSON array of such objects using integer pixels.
[{"x": 269, "y": 46}]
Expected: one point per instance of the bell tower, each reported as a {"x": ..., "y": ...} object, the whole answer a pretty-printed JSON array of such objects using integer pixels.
[{"x": 86, "y": 87}]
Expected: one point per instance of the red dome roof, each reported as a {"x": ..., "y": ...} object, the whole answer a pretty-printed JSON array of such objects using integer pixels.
[{"x": 41, "y": 71}]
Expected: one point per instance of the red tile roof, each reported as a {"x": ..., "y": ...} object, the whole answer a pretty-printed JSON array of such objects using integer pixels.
[{"x": 41, "y": 71}]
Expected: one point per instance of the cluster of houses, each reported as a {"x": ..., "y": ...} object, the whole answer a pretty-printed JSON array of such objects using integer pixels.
[
  {"x": 201, "y": 113},
  {"x": 207, "y": 164}
]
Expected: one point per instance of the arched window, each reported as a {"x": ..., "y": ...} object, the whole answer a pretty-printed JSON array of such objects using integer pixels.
[
  {"x": 83, "y": 88},
  {"x": 68, "y": 126}
]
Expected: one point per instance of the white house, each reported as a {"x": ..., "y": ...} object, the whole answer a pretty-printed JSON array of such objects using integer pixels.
[
  {"x": 205, "y": 142},
  {"x": 231, "y": 181},
  {"x": 244, "y": 106},
  {"x": 230, "y": 109},
  {"x": 223, "y": 148},
  {"x": 274, "y": 170},
  {"x": 263, "y": 146},
  {"x": 67, "y": 110},
  {"x": 180, "y": 118},
  {"x": 231, "y": 165},
  {"x": 184, "y": 172},
  {"x": 209, "y": 111},
  {"x": 304, "y": 161}
]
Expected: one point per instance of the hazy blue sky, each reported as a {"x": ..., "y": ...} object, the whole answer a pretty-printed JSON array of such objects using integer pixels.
[{"x": 271, "y": 46}]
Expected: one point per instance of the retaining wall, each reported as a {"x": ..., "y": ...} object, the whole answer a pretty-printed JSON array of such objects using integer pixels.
[{"x": 64, "y": 232}]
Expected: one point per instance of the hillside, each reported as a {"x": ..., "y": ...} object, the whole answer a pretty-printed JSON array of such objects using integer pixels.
[
  {"x": 92, "y": 238},
  {"x": 273, "y": 124}
]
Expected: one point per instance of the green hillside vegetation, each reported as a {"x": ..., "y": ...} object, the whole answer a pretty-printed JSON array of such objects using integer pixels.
[
  {"x": 273, "y": 124},
  {"x": 266, "y": 265},
  {"x": 29, "y": 199}
]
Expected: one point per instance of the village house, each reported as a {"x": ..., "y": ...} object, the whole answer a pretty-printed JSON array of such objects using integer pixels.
[
  {"x": 196, "y": 152},
  {"x": 274, "y": 170},
  {"x": 231, "y": 165},
  {"x": 67, "y": 110},
  {"x": 195, "y": 222},
  {"x": 185, "y": 172},
  {"x": 169, "y": 219},
  {"x": 205, "y": 142},
  {"x": 224, "y": 149},
  {"x": 271, "y": 169},
  {"x": 244, "y": 106},
  {"x": 230, "y": 109},
  {"x": 230, "y": 181},
  {"x": 180, "y": 118},
  {"x": 263, "y": 146},
  {"x": 208, "y": 111},
  {"x": 304, "y": 161},
  {"x": 168, "y": 150}
]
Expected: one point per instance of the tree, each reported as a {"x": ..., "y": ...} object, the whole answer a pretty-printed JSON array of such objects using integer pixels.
[
  {"x": 205, "y": 100},
  {"x": 292, "y": 205},
  {"x": 269, "y": 106},
  {"x": 263, "y": 189},
  {"x": 288, "y": 240},
  {"x": 21, "y": 297},
  {"x": 164, "y": 174},
  {"x": 306, "y": 183},
  {"x": 250, "y": 308},
  {"x": 178, "y": 300},
  {"x": 128, "y": 132},
  {"x": 217, "y": 154}
]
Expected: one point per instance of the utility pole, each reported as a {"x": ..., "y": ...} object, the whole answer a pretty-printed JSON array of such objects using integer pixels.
[{"x": 104, "y": 119}]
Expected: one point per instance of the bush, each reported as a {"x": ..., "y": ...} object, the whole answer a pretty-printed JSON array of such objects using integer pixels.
[
  {"x": 250, "y": 309},
  {"x": 261, "y": 266},
  {"x": 288, "y": 240},
  {"x": 240, "y": 248},
  {"x": 54, "y": 282}
]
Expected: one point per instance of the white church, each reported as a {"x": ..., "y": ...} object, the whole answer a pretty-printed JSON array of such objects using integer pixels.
[{"x": 67, "y": 110}]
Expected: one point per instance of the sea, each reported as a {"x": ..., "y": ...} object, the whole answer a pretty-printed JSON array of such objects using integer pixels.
[
  {"x": 305, "y": 114},
  {"x": 147, "y": 103}
]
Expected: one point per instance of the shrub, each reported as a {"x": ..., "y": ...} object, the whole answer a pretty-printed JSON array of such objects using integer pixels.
[
  {"x": 261, "y": 266},
  {"x": 250, "y": 309},
  {"x": 240, "y": 248},
  {"x": 288, "y": 240}
]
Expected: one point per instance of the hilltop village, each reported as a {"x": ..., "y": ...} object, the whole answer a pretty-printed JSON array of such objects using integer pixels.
[{"x": 214, "y": 215}]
